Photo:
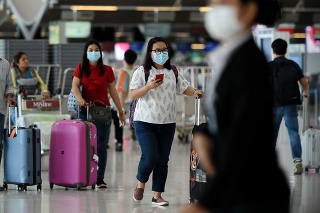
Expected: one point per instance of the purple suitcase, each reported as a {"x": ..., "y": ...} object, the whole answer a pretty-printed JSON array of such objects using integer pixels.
[{"x": 73, "y": 154}]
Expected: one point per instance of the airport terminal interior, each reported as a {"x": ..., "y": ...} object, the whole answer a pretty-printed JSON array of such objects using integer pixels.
[
  {"x": 121, "y": 181},
  {"x": 53, "y": 34}
]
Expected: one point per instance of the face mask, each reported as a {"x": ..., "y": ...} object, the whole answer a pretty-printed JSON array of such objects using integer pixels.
[
  {"x": 221, "y": 22},
  {"x": 160, "y": 58},
  {"x": 93, "y": 56}
]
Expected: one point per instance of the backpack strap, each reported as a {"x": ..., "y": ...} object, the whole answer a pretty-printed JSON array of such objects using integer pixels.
[
  {"x": 121, "y": 80},
  {"x": 146, "y": 73},
  {"x": 175, "y": 71}
]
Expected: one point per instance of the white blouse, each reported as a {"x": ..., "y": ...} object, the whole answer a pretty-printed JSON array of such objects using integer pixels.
[{"x": 158, "y": 106}]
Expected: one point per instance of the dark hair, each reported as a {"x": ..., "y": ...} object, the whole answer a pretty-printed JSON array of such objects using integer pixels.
[
  {"x": 130, "y": 56},
  {"x": 85, "y": 69},
  {"x": 279, "y": 46},
  {"x": 16, "y": 59},
  {"x": 269, "y": 11},
  {"x": 148, "y": 60}
]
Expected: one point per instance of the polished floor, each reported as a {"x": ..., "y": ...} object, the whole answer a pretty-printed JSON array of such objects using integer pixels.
[{"x": 120, "y": 177}]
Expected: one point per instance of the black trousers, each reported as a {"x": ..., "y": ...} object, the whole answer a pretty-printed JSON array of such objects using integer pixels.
[{"x": 118, "y": 131}]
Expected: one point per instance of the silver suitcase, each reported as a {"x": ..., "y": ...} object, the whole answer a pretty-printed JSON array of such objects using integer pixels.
[{"x": 310, "y": 142}]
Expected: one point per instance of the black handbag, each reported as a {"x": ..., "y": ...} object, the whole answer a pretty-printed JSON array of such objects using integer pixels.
[{"x": 99, "y": 114}]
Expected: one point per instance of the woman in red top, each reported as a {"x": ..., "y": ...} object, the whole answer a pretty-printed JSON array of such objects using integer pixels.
[{"x": 97, "y": 81}]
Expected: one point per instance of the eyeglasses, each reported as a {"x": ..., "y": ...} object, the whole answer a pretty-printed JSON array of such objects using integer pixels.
[{"x": 158, "y": 51}]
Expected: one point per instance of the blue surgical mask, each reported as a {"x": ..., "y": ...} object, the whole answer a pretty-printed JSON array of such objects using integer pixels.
[
  {"x": 160, "y": 58},
  {"x": 93, "y": 56}
]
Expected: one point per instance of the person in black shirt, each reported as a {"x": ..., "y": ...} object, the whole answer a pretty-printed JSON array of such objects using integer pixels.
[{"x": 286, "y": 74}]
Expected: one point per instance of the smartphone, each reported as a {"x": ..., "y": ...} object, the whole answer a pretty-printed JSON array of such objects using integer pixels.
[{"x": 159, "y": 76}]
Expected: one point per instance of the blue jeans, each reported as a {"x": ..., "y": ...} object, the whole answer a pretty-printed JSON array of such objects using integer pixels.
[
  {"x": 1, "y": 134},
  {"x": 290, "y": 115},
  {"x": 155, "y": 141},
  {"x": 103, "y": 132}
]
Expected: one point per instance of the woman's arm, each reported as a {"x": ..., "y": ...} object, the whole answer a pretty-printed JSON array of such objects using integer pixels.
[
  {"x": 44, "y": 90},
  {"x": 42, "y": 85},
  {"x": 14, "y": 80},
  {"x": 139, "y": 92},
  {"x": 76, "y": 91},
  {"x": 190, "y": 91},
  {"x": 115, "y": 97}
]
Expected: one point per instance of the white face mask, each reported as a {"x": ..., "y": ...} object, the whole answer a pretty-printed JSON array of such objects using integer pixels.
[{"x": 221, "y": 22}]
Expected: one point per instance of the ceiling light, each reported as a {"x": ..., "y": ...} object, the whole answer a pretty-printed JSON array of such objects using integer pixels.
[
  {"x": 298, "y": 35},
  {"x": 168, "y": 9},
  {"x": 95, "y": 8},
  {"x": 198, "y": 46},
  {"x": 205, "y": 9}
]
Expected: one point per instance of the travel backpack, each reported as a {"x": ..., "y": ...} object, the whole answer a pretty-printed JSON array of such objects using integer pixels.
[
  {"x": 285, "y": 83},
  {"x": 134, "y": 102}
]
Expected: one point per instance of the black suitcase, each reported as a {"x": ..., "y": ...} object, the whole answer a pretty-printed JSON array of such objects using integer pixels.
[{"x": 198, "y": 177}]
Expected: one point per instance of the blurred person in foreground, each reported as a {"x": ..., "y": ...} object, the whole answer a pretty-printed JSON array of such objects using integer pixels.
[{"x": 245, "y": 175}]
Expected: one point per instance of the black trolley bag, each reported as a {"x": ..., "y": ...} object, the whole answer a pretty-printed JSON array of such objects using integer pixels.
[
  {"x": 22, "y": 157},
  {"x": 198, "y": 177}
]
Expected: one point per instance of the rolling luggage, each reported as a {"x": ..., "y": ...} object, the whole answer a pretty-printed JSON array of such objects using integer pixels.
[
  {"x": 45, "y": 127},
  {"x": 22, "y": 157},
  {"x": 73, "y": 154},
  {"x": 310, "y": 143},
  {"x": 198, "y": 177}
]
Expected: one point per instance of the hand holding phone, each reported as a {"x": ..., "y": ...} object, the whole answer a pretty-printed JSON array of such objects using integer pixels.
[{"x": 159, "y": 77}]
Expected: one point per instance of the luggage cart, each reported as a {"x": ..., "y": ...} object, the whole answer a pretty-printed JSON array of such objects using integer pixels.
[
  {"x": 197, "y": 77},
  {"x": 36, "y": 112}
]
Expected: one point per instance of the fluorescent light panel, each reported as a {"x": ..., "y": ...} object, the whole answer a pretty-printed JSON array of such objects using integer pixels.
[
  {"x": 205, "y": 9},
  {"x": 198, "y": 46},
  {"x": 142, "y": 8},
  {"x": 138, "y": 8},
  {"x": 94, "y": 8}
]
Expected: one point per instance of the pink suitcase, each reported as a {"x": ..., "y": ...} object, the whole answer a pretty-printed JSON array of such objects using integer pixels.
[{"x": 73, "y": 154}]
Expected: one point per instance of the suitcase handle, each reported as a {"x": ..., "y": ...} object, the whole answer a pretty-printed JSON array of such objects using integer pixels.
[
  {"x": 305, "y": 113},
  {"x": 197, "y": 112},
  {"x": 16, "y": 116},
  {"x": 79, "y": 108}
]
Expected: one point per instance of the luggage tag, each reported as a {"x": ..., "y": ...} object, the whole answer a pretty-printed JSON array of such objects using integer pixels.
[{"x": 95, "y": 158}]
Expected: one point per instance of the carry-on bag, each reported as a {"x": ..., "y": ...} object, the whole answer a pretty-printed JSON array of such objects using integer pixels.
[
  {"x": 22, "y": 157},
  {"x": 73, "y": 154},
  {"x": 310, "y": 142},
  {"x": 198, "y": 177},
  {"x": 45, "y": 127}
]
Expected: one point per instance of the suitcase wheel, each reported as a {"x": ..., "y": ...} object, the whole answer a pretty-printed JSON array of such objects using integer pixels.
[
  {"x": 180, "y": 135},
  {"x": 39, "y": 187},
  {"x": 192, "y": 201},
  {"x": 5, "y": 186},
  {"x": 51, "y": 185},
  {"x": 22, "y": 187},
  {"x": 78, "y": 186},
  {"x": 183, "y": 137},
  {"x": 93, "y": 186}
]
